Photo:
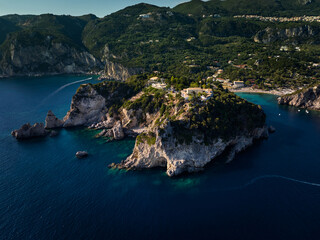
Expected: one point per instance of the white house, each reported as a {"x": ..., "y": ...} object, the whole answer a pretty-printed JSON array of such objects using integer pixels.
[
  {"x": 159, "y": 85},
  {"x": 238, "y": 84},
  {"x": 185, "y": 93},
  {"x": 145, "y": 16}
]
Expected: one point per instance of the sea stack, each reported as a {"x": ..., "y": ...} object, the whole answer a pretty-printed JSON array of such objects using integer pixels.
[
  {"x": 52, "y": 121},
  {"x": 27, "y": 131}
]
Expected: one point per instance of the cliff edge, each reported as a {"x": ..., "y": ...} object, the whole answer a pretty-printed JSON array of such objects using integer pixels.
[{"x": 305, "y": 98}]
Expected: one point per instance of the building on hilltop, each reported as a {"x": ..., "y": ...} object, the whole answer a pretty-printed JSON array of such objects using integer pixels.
[
  {"x": 159, "y": 85},
  {"x": 186, "y": 93}
]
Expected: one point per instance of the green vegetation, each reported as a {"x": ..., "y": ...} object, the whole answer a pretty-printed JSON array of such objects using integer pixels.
[
  {"x": 186, "y": 49},
  {"x": 260, "y": 7},
  {"x": 116, "y": 93},
  {"x": 31, "y": 30},
  {"x": 224, "y": 115},
  {"x": 149, "y": 138},
  {"x": 150, "y": 102}
]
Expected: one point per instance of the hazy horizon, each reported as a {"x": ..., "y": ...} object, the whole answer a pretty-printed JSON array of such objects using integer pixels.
[{"x": 99, "y": 8}]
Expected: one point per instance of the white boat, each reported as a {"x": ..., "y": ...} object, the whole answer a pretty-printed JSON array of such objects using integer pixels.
[{"x": 307, "y": 111}]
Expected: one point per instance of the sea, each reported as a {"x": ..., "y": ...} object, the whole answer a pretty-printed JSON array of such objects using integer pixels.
[{"x": 270, "y": 191}]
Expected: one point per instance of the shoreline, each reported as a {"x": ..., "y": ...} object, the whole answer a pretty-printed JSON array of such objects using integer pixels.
[
  {"x": 50, "y": 75},
  {"x": 279, "y": 92}
]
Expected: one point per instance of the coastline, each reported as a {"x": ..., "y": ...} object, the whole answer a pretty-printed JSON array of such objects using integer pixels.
[
  {"x": 278, "y": 92},
  {"x": 91, "y": 73}
]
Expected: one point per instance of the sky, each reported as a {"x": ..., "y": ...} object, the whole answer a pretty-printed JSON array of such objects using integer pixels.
[{"x": 74, "y": 7}]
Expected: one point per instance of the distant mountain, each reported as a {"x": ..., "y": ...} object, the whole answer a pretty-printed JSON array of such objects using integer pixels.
[
  {"x": 264, "y": 7},
  {"x": 188, "y": 41},
  {"x": 45, "y": 43}
]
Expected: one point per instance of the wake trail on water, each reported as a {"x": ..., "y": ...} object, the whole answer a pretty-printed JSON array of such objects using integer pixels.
[
  {"x": 254, "y": 180},
  {"x": 60, "y": 89}
]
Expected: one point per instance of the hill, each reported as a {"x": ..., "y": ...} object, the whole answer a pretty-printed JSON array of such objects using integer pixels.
[
  {"x": 260, "y": 7},
  {"x": 45, "y": 43},
  {"x": 185, "y": 48}
]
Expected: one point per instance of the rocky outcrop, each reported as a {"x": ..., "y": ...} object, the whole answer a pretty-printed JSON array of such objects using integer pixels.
[
  {"x": 117, "y": 71},
  {"x": 179, "y": 158},
  {"x": 115, "y": 133},
  {"x": 307, "y": 98},
  {"x": 30, "y": 131},
  {"x": 48, "y": 57},
  {"x": 82, "y": 154},
  {"x": 270, "y": 35},
  {"x": 87, "y": 107},
  {"x": 52, "y": 121},
  {"x": 105, "y": 124},
  {"x": 114, "y": 70},
  {"x": 129, "y": 118}
]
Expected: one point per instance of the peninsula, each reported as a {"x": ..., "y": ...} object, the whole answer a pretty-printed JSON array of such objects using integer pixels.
[{"x": 181, "y": 131}]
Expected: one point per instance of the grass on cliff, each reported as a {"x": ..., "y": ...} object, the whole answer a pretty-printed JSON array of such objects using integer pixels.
[{"x": 149, "y": 138}]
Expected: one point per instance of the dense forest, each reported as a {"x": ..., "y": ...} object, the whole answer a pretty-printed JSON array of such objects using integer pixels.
[{"x": 187, "y": 43}]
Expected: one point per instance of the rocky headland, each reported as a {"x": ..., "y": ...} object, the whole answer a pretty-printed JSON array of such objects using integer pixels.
[
  {"x": 171, "y": 132},
  {"x": 304, "y": 98}
]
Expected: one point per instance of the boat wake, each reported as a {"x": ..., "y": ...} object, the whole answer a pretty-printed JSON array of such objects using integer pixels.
[
  {"x": 254, "y": 180},
  {"x": 61, "y": 88}
]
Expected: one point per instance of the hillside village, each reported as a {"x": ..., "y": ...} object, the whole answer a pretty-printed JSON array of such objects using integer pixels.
[{"x": 281, "y": 19}]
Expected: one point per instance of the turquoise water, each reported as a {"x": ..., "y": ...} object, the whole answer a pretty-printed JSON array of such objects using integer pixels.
[{"x": 270, "y": 191}]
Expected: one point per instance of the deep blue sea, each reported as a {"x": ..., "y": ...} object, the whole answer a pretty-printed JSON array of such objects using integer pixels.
[{"x": 270, "y": 191}]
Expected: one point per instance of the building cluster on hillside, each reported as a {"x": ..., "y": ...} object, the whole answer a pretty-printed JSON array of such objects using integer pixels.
[
  {"x": 205, "y": 93},
  {"x": 149, "y": 15},
  {"x": 286, "y": 49},
  {"x": 226, "y": 83},
  {"x": 281, "y": 19},
  {"x": 157, "y": 83}
]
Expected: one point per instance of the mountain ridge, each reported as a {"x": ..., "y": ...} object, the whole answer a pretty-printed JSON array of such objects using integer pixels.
[{"x": 147, "y": 38}]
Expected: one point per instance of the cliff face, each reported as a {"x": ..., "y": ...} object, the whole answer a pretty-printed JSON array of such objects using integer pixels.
[
  {"x": 308, "y": 98},
  {"x": 270, "y": 35},
  {"x": 47, "y": 58},
  {"x": 178, "y": 158},
  {"x": 114, "y": 70},
  {"x": 117, "y": 71},
  {"x": 87, "y": 107}
]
